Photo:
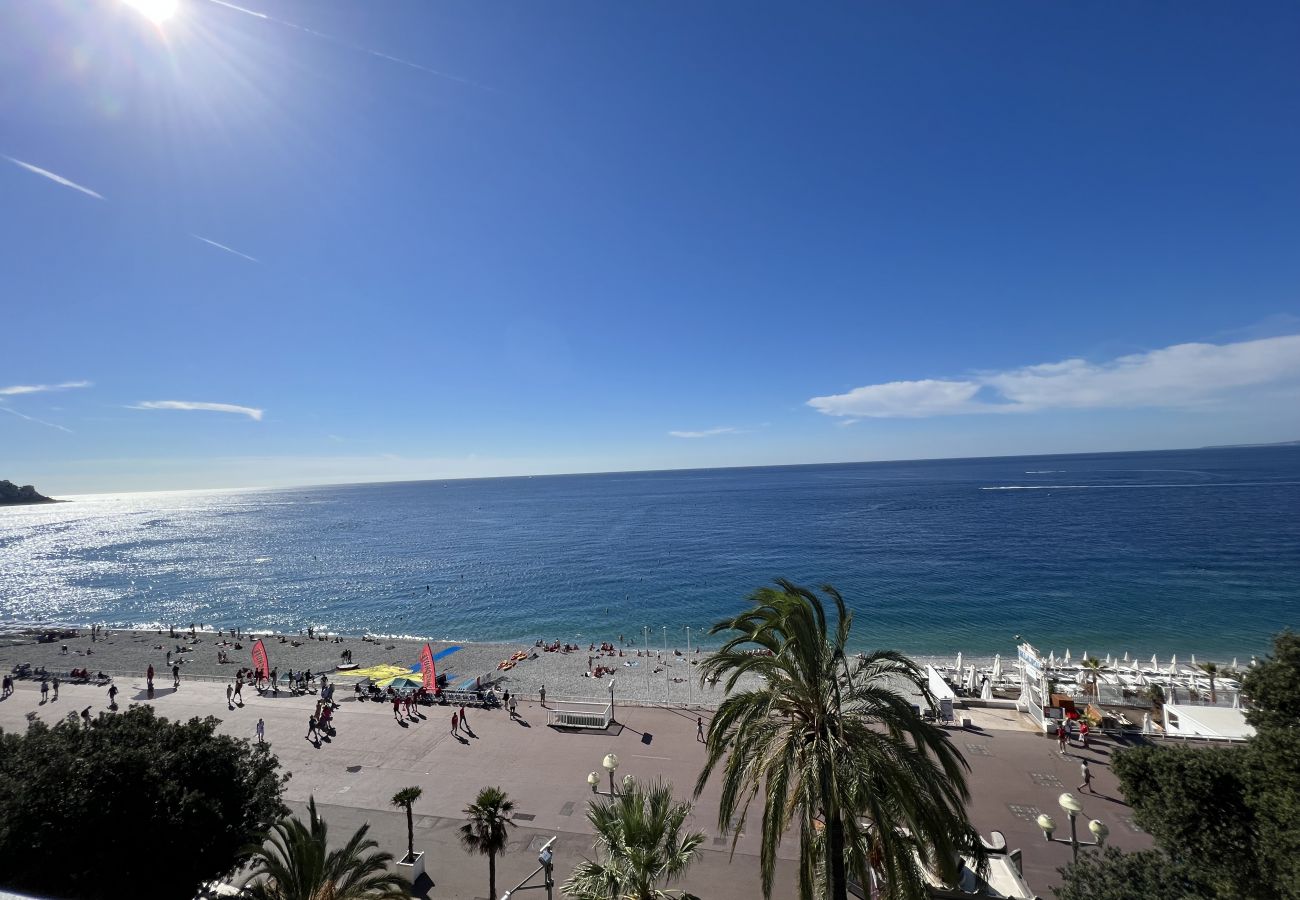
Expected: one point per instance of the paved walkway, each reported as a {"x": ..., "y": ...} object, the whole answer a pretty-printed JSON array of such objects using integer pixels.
[{"x": 1015, "y": 775}]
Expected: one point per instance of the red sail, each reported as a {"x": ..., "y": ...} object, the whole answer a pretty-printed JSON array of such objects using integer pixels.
[
  {"x": 428, "y": 670},
  {"x": 261, "y": 664}
]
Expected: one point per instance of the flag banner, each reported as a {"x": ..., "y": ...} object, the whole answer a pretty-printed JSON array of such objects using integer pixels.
[
  {"x": 261, "y": 664},
  {"x": 428, "y": 670}
]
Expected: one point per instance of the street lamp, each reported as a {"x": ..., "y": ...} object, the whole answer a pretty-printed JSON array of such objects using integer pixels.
[
  {"x": 610, "y": 762},
  {"x": 546, "y": 859},
  {"x": 611, "y": 699},
  {"x": 1072, "y": 808}
]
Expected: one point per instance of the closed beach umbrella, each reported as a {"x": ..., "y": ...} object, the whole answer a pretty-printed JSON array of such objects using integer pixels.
[
  {"x": 1193, "y": 660},
  {"x": 986, "y": 692},
  {"x": 1125, "y": 656},
  {"x": 959, "y": 669},
  {"x": 1155, "y": 663},
  {"x": 1051, "y": 660},
  {"x": 1234, "y": 662},
  {"x": 1067, "y": 656},
  {"x": 997, "y": 667},
  {"x": 1173, "y": 664}
]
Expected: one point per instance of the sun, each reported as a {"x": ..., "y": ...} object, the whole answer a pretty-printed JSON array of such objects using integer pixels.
[{"x": 156, "y": 11}]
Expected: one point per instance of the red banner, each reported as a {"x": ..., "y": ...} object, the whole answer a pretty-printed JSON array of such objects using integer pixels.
[
  {"x": 428, "y": 670},
  {"x": 261, "y": 664}
]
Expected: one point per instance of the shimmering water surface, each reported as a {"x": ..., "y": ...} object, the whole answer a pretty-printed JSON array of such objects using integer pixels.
[{"x": 1187, "y": 551}]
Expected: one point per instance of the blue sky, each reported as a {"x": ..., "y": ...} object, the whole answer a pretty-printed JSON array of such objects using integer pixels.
[{"x": 476, "y": 239}]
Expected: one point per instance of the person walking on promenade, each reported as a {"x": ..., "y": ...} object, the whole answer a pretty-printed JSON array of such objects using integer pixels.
[
  {"x": 176, "y": 676},
  {"x": 699, "y": 729},
  {"x": 275, "y": 682},
  {"x": 542, "y": 693},
  {"x": 1061, "y": 737},
  {"x": 230, "y": 696},
  {"x": 55, "y": 685},
  {"x": 148, "y": 677},
  {"x": 312, "y": 734},
  {"x": 514, "y": 708},
  {"x": 112, "y": 696},
  {"x": 1083, "y": 734},
  {"x": 45, "y": 690},
  {"x": 397, "y": 707},
  {"x": 464, "y": 720},
  {"x": 239, "y": 690},
  {"x": 261, "y": 731},
  {"x": 85, "y": 716},
  {"x": 455, "y": 721},
  {"x": 5, "y": 690},
  {"x": 169, "y": 657},
  {"x": 1087, "y": 778}
]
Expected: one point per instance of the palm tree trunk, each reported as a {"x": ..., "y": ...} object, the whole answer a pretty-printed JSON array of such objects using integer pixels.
[
  {"x": 835, "y": 849},
  {"x": 492, "y": 875},
  {"x": 410, "y": 835}
]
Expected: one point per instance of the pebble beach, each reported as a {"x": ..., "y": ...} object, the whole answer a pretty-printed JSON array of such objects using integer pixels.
[{"x": 654, "y": 677}]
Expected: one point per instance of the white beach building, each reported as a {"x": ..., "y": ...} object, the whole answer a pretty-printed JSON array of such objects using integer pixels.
[{"x": 1210, "y": 722}]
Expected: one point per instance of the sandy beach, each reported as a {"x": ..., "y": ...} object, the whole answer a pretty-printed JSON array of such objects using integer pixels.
[{"x": 649, "y": 678}]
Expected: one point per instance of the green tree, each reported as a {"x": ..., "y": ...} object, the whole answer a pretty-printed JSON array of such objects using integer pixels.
[
  {"x": 1211, "y": 670},
  {"x": 193, "y": 796},
  {"x": 1273, "y": 686},
  {"x": 295, "y": 863},
  {"x": 1112, "y": 875},
  {"x": 487, "y": 828},
  {"x": 832, "y": 745},
  {"x": 1092, "y": 665},
  {"x": 405, "y": 798},
  {"x": 641, "y": 842}
]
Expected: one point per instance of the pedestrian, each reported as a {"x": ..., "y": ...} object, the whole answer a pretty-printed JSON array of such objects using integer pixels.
[
  {"x": 112, "y": 696},
  {"x": 454, "y": 722},
  {"x": 239, "y": 690},
  {"x": 1087, "y": 778},
  {"x": 397, "y": 705},
  {"x": 1061, "y": 737},
  {"x": 699, "y": 729},
  {"x": 230, "y": 695},
  {"x": 85, "y": 716},
  {"x": 514, "y": 708},
  {"x": 45, "y": 690},
  {"x": 169, "y": 657},
  {"x": 261, "y": 732},
  {"x": 148, "y": 676},
  {"x": 464, "y": 722},
  {"x": 1083, "y": 734},
  {"x": 542, "y": 693},
  {"x": 176, "y": 676},
  {"x": 312, "y": 734},
  {"x": 56, "y": 687}
]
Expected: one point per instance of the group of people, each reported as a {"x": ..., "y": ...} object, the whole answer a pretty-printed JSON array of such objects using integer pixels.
[{"x": 1065, "y": 733}]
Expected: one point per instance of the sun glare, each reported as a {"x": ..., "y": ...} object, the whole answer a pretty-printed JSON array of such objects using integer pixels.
[{"x": 156, "y": 11}]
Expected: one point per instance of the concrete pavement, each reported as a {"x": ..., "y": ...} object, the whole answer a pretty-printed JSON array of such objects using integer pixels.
[{"x": 353, "y": 777}]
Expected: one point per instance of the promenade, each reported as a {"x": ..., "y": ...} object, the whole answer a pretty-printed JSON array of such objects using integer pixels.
[{"x": 1015, "y": 776}]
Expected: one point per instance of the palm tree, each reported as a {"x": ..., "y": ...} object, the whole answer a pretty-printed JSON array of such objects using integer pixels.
[
  {"x": 1156, "y": 694},
  {"x": 639, "y": 842},
  {"x": 487, "y": 828},
  {"x": 298, "y": 864},
  {"x": 1212, "y": 670},
  {"x": 406, "y": 798},
  {"x": 1093, "y": 667},
  {"x": 833, "y": 745}
]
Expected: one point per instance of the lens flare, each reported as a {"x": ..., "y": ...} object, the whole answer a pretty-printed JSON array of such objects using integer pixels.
[{"x": 156, "y": 11}]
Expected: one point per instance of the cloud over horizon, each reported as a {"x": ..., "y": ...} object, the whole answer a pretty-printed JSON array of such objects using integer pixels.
[
  {"x": 708, "y": 432},
  {"x": 16, "y": 389},
  {"x": 57, "y": 179},
  {"x": 251, "y": 412},
  {"x": 1179, "y": 376}
]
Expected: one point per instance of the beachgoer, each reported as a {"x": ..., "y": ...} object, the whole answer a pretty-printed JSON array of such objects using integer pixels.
[
  {"x": 699, "y": 729},
  {"x": 230, "y": 694},
  {"x": 45, "y": 690},
  {"x": 176, "y": 676},
  {"x": 1087, "y": 778},
  {"x": 1061, "y": 737},
  {"x": 464, "y": 723},
  {"x": 55, "y": 685},
  {"x": 542, "y": 693},
  {"x": 169, "y": 657},
  {"x": 112, "y": 696},
  {"x": 312, "y": 734},
  {"x": 397, "y": 706},
  {"x": 239, "y": 690},
  {"x": 148, "y": 675},
  {"x": 261, "y": 732},
  {"x": 514, "y": 708},
  {"x": 455, "y": 721}
]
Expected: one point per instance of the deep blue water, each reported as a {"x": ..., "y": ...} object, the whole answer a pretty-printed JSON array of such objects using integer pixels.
[{"x": 1185, "y": 551}]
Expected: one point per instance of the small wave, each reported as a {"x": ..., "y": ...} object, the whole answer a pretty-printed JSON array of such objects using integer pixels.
[
  {"x": 1088, "y": 487},
  {"x": 262, "y": 559},
  {"x": 1044, "y": 471}
]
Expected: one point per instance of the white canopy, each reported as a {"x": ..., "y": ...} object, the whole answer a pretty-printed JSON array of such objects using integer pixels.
[{"x": 997, "y": 667}]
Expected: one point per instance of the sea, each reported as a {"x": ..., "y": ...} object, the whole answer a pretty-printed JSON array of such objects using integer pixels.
[{"x": 1190, "y": 551}]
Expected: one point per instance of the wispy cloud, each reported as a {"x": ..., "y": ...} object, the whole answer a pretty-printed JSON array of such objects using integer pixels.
[
  {"x": 351, "y": 46},
  {"x": 708, "y": 432},
  {"x": 1179, "y": 376},
  {"x": 57, "y": 179},
  {"x": 252, "y": 413},
  {"x": 199, "y": 237},
  {"x": 15, "y": 412},
  {"x": 15, "y": 389}
]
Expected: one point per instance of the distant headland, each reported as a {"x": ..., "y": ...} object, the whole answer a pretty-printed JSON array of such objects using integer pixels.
[{"x": 12, "y": 494}]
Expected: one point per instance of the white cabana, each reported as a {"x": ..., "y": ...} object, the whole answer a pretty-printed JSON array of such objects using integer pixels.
[{"x": 1219, "y": 722}]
